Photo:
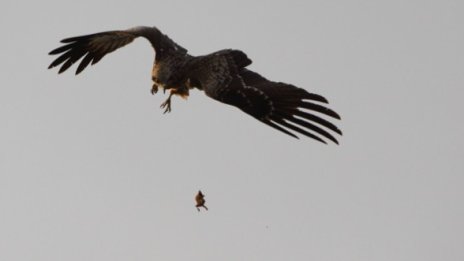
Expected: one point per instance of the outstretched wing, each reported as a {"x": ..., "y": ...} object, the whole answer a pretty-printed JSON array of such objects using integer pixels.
[
  {"x": 282, "y": 106},
  {"x": 93, "y": 47}
]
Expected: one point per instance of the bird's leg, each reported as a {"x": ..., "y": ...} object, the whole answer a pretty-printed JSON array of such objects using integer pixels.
[
  {"x": 156, "y": 85},
  {"x": 154, "y": 88},
  {"x": 167, "y": 104},
  {"x": 201, "y": 205},
  {"x": 180, "y": 91}
]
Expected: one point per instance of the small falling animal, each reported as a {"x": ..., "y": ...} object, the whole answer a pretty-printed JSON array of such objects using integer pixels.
[{"x": 200, "y": 199}]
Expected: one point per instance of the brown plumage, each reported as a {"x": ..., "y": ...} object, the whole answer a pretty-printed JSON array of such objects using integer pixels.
[
  {"x": 221, "y": 75},
  {"x": 200, "y": 199}
]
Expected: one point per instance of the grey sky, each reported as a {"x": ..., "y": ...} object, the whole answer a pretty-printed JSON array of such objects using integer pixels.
[{"x": 90, "y": 168}]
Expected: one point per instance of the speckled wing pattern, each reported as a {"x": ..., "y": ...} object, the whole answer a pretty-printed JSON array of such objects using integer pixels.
[{"x": 287, "y": 108}]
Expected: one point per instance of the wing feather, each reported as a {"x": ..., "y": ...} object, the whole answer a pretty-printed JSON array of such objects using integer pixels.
[
  {"x": 299, "y": 130},
  {"x": 84, "y": 63},
  {"x": 307, "y": 125},
  {"x": 277, "y": 127},
  {"x": 289, "y": 106},
  {"x": 279, "y": 105},
  {"x": 92, "y": 48}
]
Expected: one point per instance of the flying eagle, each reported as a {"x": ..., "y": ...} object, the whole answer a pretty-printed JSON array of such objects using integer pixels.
[{"x": 222, "y": 75}]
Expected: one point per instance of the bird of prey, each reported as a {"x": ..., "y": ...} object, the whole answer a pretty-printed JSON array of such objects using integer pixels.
[
  {"x": 200, "y": 199},
  {"x": 222, "y": 75}
]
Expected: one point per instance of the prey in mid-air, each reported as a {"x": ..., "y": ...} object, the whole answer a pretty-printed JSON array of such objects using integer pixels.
[
  {"x": 200, "y": 200},
  {"x": 222, "y": 75}
]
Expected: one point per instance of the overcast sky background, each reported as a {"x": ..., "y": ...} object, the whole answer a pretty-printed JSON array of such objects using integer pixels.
[{"x": 90, "y": 168}]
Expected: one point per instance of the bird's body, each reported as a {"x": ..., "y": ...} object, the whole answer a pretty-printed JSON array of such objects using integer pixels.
[
  {"x": 200, "y": 200},
  {"x": 221, "y": 75}
]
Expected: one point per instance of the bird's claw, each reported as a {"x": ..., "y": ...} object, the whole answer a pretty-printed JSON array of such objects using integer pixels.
[
  {"x": 154, "y": 89},
  {"x": 166, "y": 105}
]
